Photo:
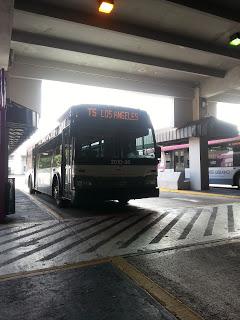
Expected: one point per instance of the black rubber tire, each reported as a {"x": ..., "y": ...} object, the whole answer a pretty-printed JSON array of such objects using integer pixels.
[
  {"x": 56, "y": 194},
  {"x": 123, "y": 202},
  {"x": 238, "y": 181},
  {"x": 30, "y": 186}
]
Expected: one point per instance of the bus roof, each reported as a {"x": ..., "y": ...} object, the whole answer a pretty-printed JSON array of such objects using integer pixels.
[{"x": 211, "y": 142}]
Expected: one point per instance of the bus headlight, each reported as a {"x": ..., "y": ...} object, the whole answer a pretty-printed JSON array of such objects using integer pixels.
[{"x": 151, "y": 180}]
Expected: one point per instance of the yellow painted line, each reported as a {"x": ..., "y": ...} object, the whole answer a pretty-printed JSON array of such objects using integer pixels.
[
  {"x": 166, "y": 299},
  {"x": 199, "y": 193},
  {"x": 38, "y": 272}
]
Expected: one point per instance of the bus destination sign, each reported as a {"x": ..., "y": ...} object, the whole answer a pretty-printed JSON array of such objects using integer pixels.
[{"x": 112, "y": 114}]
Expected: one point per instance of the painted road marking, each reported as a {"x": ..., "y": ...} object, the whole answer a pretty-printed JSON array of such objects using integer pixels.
[
  {"x": 185, "y": 199},
  {"x": 200, "y": 193},
  {"x": 211, "y": 221},
  {"x": 58, "y": 242},
  {"x": 166, "y": 299},
  {"x": 190, "y": 225}
]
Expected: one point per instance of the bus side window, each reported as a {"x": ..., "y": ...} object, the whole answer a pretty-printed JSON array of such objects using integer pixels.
[
  {"x": 220, "y": 156},
  {"x": 45, "y": 160},
  {"x": 57, "y": 158}
]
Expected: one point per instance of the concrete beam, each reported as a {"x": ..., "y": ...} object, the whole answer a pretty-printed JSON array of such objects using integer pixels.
[
  {"x": 25, "y": 92},
  {"x": 212, "y": 86},
  {"x": 6, "y": 20},
  {"x": 42, "y": 8},
  {"x": 226, "y": 97},
  {"x": 30, "y": 68},
  {"x": 63, "y": 44}
]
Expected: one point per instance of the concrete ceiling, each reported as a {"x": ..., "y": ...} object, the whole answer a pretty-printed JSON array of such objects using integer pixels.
[{"x": 150, "y": 41}]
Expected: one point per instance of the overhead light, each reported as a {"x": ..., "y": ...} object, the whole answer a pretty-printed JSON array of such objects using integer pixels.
[
  {"x": 235, "y": 39},
  {"x": 106, "y": 6}
]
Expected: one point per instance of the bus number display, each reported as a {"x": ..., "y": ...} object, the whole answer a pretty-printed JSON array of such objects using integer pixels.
[{"x": 113, "y": 114}]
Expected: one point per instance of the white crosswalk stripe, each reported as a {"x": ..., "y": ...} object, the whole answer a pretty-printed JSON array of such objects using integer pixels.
[{"x": 37, "y": 245}]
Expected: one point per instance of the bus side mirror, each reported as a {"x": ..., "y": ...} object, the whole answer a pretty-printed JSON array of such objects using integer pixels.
[{"x": 158, "y": 152}]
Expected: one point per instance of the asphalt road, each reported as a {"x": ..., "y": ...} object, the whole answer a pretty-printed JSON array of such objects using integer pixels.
[
  {"x": 206, "y": 278},
  {"x": 187, "y": 244}
]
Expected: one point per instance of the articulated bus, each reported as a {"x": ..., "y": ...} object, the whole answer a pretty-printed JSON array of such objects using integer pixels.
[
  {"x": 97, "y": 151},
  {"x": 223, "y": 160}
]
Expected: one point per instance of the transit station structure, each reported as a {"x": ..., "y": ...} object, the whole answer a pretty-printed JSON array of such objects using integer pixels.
[{"x": 174, "y": 48}]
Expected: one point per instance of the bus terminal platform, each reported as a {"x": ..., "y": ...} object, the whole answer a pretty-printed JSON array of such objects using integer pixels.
[{"x": 172, "y": 257}]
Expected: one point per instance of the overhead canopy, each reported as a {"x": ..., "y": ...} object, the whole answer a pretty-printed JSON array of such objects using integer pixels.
[
  {"x": 209, "y": 127},
  {"x": 21, "y": 123}
]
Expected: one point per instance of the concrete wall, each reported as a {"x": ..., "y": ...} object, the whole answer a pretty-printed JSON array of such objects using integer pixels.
[
  {"x": 26, "y": 92},
  {"x": 212, "y": 109},
  {"x": 183, "y": 111},
  {"x": 6, "y": 19}
]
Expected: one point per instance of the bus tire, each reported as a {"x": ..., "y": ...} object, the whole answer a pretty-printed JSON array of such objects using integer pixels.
[
  {"x": 30, "y": 185},
  {"x": 123, "y": 201},
  {"x": 56, "y": 193},
  {"x": 237, "y": 180}
]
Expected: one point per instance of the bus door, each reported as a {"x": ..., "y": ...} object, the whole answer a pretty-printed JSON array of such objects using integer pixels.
[{"x": 67, "y": 163}]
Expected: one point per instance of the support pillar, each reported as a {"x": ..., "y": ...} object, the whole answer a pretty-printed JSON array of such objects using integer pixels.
[
  {"x": 3, "y": 147},
  {"x": 198, "y": 162}
]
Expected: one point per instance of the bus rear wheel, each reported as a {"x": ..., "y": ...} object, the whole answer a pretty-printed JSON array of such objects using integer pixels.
[
  {"x": 30, "y": 185},
  {"x": 56, "y": 194}
]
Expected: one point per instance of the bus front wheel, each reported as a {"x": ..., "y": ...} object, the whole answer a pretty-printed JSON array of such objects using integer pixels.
[
  {"x": 238, "y": 181},
  {"x": 56, "y": 194},
  {"x": 123, "y": 201}
]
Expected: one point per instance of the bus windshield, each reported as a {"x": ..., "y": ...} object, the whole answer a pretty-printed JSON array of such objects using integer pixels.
[{"x": 114, "y": 146}]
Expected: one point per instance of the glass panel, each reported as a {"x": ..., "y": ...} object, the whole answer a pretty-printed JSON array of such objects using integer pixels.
[
  {"x": 57, "y": 159},
  {"x": 45, "y": 160},
  {"x": 169, "y": 162},
  {"x": 115, "y": 147},
  {"x": 179, "y": 160}
]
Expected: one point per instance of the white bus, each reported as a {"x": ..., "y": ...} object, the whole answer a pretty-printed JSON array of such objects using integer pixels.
[
  {"x": 223, "y": 158},
  {"x": 97, "y": 151}
]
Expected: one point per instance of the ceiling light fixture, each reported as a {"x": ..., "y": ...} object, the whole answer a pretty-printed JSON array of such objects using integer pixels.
[
  {"x": 106, "y": 6},
  {"x": 235, "y": 39}
]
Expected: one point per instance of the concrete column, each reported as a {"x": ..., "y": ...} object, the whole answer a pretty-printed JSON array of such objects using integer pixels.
[
  {"x": 198, "y": 162},
  {"x": 3, "y": 146}
]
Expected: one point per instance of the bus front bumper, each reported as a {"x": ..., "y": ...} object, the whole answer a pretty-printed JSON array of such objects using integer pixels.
[{"x": 113, "y": 194}]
